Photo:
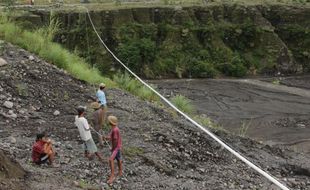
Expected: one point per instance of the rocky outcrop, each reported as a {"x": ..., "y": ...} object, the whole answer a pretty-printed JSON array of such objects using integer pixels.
[{"x": 266, "y": 39}]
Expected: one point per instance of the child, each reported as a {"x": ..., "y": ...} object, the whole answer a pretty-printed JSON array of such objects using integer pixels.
[
  {"x": 90, "y": 147},
  {"x": 116, "y": 142},
  {"x": 42, "y": 150},
  {"x": 97, "y": 121}
]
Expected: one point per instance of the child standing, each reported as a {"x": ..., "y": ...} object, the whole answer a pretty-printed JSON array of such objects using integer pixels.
[
  {"x": 90, "y": 147},
  {"x": 116, "y": 142},
  {"x": 97, "y": 121}
]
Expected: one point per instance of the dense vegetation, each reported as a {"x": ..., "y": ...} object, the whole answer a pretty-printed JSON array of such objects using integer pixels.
[
  {"x": 183, "y": 54},
  {"x": 217, "y": 40}
]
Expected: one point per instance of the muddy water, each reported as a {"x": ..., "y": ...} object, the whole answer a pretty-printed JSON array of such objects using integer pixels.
[{"x": 271, "y": 113}]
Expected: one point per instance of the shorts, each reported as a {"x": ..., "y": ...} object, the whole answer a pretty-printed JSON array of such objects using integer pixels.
[
  {"x": 43, "y": 159},
  {"x": 90, "y": 146},
  {"x": 116, "y": 154}
]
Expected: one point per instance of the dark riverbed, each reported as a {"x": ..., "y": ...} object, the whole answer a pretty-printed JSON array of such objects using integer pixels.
[{"x": 272, "y": 114}]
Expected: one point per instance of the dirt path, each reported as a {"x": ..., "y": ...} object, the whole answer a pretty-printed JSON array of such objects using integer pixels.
[{"x": 273, "y": 113}]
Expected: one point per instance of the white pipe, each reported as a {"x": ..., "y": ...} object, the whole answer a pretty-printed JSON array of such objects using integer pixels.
[{"x": 265, "y": 174}]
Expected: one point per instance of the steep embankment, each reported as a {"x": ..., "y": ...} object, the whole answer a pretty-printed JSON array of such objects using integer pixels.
[
  {"x": 205, "y": 41},
  {"x": 160, "y": 151}
]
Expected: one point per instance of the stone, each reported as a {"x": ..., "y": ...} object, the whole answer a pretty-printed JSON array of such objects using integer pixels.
[
  {"x": 87, "y": 172},
  {"x": 75, "y": 183},
  {"x": 69, "y": 147},
  {"x": 3, "y": 62},
  {"x": 8, "y": 104},
  {"x": 301, "y": 125},
  {"x": 21, "y": 111},
  {"x": 11, "y": 53},
  {"x": 13, "y": 116},
  {"x": 12, "y": 140},
  {"x": 56, "y": 113},
  {"x": 31, "y": 58},
  {"x": 160, "y": 139}
]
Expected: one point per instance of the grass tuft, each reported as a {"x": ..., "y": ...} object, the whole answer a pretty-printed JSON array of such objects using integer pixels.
[
  {"x": 206, "y": 122},
  {"x": 126, "y": 82},
  {"x": 183, "y": 103}
]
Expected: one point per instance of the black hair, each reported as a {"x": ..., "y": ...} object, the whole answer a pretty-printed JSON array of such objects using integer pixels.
[
  {"x": 101, "y": 87},
  {"x": 40, "y": 136},
  {"x": 80, "y": 110}
]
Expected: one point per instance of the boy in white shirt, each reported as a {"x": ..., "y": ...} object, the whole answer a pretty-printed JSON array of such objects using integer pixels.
[{"x": 90, "y": 147}]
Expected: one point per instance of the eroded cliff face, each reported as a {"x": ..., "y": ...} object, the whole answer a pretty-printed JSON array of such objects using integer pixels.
[{"x": 231, "y": 40}]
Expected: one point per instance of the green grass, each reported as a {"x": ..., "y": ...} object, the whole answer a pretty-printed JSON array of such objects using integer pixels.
[
  {"x": 183, "y": 104},
  {"x": 206, "y": 122},
  {"x": 276, "y": 81},
  {"x": 132, "y": 151},
  {"x": 244, "y": 128},
  {"x": 40, "y": 43},
  {"x": 126, "y": 82}
]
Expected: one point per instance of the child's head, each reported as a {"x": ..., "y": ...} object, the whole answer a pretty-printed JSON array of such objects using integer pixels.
[
  {"x": 112, "y": 120},
  {"x": 101, "y": 86},
  {"x": 80, "y": 110},
  {"x": 40, "y": 136}
]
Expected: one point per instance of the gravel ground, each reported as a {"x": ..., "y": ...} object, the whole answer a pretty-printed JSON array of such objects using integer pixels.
[{"x": 160, "y": 151}]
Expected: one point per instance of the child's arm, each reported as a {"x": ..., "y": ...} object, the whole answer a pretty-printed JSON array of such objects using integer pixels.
[{"x": 48, "y": 148}]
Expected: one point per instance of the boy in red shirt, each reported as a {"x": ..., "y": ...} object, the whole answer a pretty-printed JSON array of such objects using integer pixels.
[
  {"x": 116, "y": 142},
  {"x": 42, "y": 150}
]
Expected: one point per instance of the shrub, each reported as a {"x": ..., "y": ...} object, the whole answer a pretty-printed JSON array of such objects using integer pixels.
[
  {"x": 136, "y": 52},
  {"x": 203, "y": 69},
  {"x": 235, "y": 68}
]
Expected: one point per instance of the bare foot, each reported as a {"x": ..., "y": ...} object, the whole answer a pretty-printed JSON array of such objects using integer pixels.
[
  {"x": 120, "y": 173},
  {"x": 111, "y": 180}
]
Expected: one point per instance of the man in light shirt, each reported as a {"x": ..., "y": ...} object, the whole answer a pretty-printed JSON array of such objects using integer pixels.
[{"x": 90, "y": 147}]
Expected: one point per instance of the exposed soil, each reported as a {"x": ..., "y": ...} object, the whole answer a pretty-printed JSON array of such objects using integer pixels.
[
  {"x": 10, "y": 173},
  {"x": 160, "y": 151}
]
